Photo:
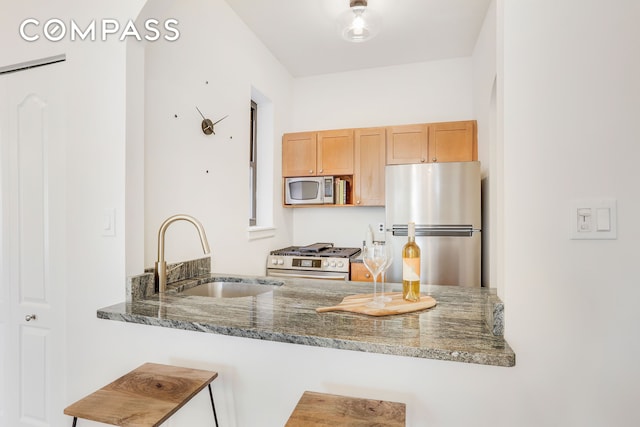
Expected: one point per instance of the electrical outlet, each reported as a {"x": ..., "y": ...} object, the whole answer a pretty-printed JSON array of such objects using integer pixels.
[{"x": 380, "y": 232}]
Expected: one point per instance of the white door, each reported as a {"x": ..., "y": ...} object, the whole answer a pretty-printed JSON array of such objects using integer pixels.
[{"x": 32, "y": 263}]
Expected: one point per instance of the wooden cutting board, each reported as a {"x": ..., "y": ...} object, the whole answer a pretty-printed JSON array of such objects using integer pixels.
[{"x": 358, "y": 304}]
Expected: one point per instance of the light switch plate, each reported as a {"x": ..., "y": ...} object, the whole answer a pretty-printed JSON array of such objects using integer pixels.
[
  {"x": 593, "y": 219},
  {"x": 109, "y": 222}
]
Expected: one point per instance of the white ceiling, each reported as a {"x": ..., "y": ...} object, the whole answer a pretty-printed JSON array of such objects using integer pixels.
[{"x": 303, "y": 34}]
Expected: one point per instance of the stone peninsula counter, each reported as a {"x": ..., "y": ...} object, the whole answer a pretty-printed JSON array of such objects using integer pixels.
[{"x": 464, "y": 326}]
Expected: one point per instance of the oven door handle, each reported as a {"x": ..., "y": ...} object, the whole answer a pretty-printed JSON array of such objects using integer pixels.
[{"x": 308, "y": 276}]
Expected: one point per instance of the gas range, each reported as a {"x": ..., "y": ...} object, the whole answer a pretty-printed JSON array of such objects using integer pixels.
[{"x": 319, "y": 261}]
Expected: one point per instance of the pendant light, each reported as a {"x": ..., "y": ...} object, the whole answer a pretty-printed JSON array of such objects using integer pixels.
[{"x": 359, "y": 24}]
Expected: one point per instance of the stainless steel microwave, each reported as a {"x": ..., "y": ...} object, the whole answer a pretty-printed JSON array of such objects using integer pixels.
[{"x": 309, "y": 190}]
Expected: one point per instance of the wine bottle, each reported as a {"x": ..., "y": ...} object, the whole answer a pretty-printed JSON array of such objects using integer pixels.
[{"x": 411, "y": 266}]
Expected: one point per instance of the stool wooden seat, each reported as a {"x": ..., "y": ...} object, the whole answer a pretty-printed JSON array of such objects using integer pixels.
[
  {"x": 145, "y": 397},
  {"x": 320, "y": 409}
]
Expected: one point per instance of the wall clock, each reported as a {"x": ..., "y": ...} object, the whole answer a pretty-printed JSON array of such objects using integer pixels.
[{"x": 207, "y": 125}]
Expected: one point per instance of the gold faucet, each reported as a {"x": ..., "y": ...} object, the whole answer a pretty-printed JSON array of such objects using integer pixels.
[{"x": 160, "y": 273}]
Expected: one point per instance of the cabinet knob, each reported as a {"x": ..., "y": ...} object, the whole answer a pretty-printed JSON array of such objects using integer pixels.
[
  {"x": 310, "y": 170},
  {"x": 321, "y": 170},
  {"x": 422, "y": 160},
  {"x": 357, "y": 202},
  {"x": 30, "y": 317},
  {"x": 434, "y": 160},
  {"x": 367, "y": 275}
]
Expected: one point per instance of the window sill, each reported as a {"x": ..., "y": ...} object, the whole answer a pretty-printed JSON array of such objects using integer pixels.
[{"x": 261, "y": 232}]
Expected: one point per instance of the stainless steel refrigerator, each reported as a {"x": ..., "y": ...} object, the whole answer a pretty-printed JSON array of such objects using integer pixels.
[{"x": 443, "y": 200}]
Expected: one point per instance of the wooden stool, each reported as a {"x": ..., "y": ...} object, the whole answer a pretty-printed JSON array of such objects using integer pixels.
[
  {"x": 145, "y": 397},
  {"x": 319, "y": 409}
]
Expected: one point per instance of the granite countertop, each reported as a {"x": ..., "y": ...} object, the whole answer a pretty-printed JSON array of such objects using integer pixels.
[{"x": 464, "y": 326}]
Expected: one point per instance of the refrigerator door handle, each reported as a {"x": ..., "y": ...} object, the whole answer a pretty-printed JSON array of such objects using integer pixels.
[{"x": 436, "y": 230}]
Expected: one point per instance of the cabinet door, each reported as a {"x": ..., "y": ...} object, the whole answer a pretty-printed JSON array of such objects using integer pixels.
[
  {"x": 369, "y": 167},
  {"x": 407, "y": 144},
  {"x": 299, "y": 154},
  {"x": 335, "y": 152},
  {"x": 359, "y": 273},
  {"x": 453, "y": 142}
]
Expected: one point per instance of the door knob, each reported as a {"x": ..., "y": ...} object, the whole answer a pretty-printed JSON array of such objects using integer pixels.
[{"x": 30, "y": 317}]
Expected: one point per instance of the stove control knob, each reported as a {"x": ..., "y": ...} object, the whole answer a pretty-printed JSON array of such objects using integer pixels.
[
  {"x": 280, "y": 261},
  {"x": 325, "y": 264},
  {"x": 274, "y": 261},
  {"x": 333, "y": 264},
  {"x": 340, "y": 264}
]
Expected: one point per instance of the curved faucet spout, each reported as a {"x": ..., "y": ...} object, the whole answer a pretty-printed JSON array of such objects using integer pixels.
[{"x": 161, "y": 265}]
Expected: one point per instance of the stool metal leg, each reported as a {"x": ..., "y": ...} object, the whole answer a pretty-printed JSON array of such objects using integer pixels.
[
  {"x": 75, "y": 420},
  {"x": 215, "y": 417}
]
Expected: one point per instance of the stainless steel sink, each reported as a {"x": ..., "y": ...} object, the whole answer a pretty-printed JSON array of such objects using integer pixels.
[{"x": 229, "y": 289}]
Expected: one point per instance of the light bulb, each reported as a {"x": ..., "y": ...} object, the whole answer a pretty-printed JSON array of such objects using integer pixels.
[{"x": 358, "y": 24}]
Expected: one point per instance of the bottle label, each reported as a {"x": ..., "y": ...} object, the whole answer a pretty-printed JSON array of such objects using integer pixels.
[{"x": 411, "y": 269}]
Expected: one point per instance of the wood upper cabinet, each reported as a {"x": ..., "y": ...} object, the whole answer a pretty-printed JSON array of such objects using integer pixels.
[
  {"x": 299, "y": 153},
  {"x": 335, "y": 152},
  {"x": 358, "y": 156},
  {"x": 317, "y": 153},
  {"x": 433, "y": 142},
  {"x": 407, "y": 144},
  {"x": 369, "y": 165},
  {"x": 453, "y": 142}
]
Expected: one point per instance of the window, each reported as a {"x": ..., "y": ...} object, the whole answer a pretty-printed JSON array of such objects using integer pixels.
[
  {"x": 261, "y": 166},
  {"x": 253, "y": 164}
]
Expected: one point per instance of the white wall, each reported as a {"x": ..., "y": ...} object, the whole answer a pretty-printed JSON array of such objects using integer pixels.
[
  {"x": 213, "y": 66},
  {"x": 484, "y": 105},
  {"x": 414, "y": 93},
  {"x": 571, "y": 107},
  {"x": 134, "y": 158}
]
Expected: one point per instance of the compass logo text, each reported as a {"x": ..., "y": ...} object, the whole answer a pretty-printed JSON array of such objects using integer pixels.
[{"x": 56, "y": 29}]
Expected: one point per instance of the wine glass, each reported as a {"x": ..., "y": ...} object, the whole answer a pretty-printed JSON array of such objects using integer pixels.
[
  {"x": 389, "y": 250},
  {"x": 374, "y": 258}
]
